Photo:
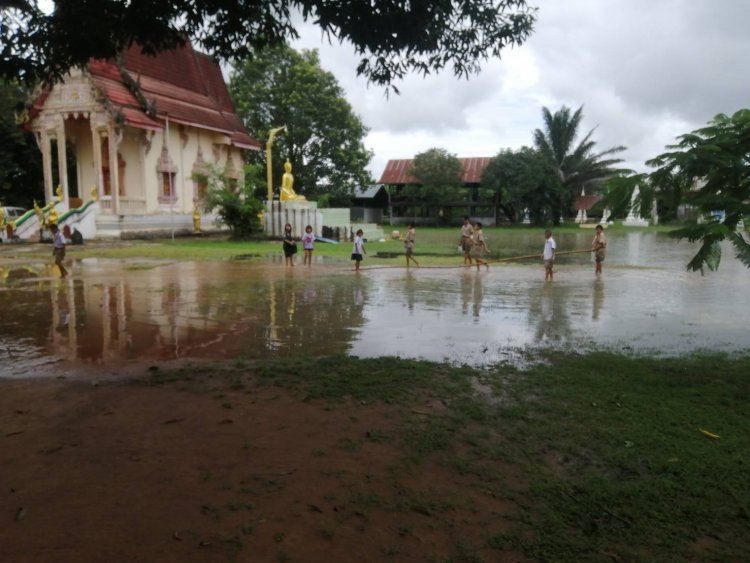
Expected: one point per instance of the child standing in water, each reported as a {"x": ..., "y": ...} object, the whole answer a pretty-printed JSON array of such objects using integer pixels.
[
  {"x": 548, "y": 255},
  {"x": 599, "y": 248},
  {"x": 289, "y": 245},
  {"x": 409, "y": 242},
  {"x": 58, "y": 241},
  {"x": 466, "y": 240},
  {"x": 358, "y": 250},
  {"x": 478, "y": 246},
  {"x": 308, "y": 242}
]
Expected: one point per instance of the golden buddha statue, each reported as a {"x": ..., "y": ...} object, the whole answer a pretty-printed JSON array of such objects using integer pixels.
[{"x": 287, "y": 183}]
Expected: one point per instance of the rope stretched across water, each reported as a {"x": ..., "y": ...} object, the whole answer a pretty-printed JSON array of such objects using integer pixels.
[{"x": 509, "y": 259}]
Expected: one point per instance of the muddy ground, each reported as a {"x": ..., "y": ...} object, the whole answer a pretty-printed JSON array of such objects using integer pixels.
[{"x": 131, "y": 471}]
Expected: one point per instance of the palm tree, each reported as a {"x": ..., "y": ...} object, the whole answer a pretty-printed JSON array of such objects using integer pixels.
[{"x": 577, "y": 167}]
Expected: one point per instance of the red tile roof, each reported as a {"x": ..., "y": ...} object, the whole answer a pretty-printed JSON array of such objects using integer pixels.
[
  {"x": 181, "y": 84},
  {"x": 397, "y": 171},
  {"x": 586, "y": 201}
]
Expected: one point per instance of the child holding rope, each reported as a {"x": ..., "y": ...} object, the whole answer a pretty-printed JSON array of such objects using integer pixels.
[
  {"x": 478, "y": 246},
  {"x": 599, "y": 248},
  {"x": 409, "y": 242},
  {"x": 465, "y": 241}
]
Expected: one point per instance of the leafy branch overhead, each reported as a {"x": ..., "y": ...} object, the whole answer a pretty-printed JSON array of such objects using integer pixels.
[{"x": 392, "y": 38}]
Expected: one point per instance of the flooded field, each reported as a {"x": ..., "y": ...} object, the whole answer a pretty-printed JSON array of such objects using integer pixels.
[{"x": 114, "y": 312}]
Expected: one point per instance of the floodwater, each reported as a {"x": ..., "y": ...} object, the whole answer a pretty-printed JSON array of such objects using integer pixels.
[{"x": 112, "y": 313}]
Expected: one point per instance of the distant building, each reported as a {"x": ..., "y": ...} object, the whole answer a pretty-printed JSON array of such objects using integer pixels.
[
  {"x": 369, "y": 204},
  {"x": 466, "y": 202},
  {"x": 143, "y": 131}
]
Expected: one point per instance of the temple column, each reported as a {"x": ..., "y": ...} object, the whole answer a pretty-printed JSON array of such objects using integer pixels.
[
  {"x": 62, "y": 160},
  {"x": 46, "y": 148},
  {"x": 96, "y": 140},
  {"x": 114, "y": 171}
]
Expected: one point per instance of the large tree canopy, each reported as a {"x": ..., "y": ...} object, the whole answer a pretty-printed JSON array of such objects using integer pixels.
[
  {"x": 392, "y": 38},
  {"x": 20, "y": 160},
  {"x": 323, "y": 139},
  {"x": 523, "y": 180}
]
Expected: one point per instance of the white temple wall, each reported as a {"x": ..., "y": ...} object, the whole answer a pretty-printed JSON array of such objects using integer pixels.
[{"x": 133, "y": 192}]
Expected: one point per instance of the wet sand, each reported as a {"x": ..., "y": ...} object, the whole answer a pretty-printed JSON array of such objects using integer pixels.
[{"x": 126, "y": 471}]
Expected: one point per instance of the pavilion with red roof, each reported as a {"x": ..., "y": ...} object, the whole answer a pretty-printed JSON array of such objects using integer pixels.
[
  {"x": 466, "y": 201},
  {"x": 145, "y": 131}
]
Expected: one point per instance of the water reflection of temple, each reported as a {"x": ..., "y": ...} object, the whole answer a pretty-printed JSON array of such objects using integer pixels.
[{"x": 178, "y": 311}]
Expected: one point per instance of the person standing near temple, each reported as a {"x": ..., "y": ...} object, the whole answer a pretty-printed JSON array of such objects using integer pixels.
[
  {"x": 308, "y": 244},
  {"x": 58, "y": 250},
  {"x": 289, "y": 245}
]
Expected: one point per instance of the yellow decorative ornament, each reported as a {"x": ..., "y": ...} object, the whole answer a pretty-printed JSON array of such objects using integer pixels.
[
  {"x": 94, "y": 194},
  {"x": 196, "y": 220},
  {"x": 52, "y": 216},
  {"x": 39, "y": 214},
  {"x": 287, "y": 183},
  {"x": 59, "y": 192}
]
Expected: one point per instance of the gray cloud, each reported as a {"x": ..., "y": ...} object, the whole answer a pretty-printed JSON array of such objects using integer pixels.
[{"x": 644, "y": 71}]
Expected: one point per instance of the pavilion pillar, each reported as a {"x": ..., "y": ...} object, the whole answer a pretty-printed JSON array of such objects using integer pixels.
[
  {"x": 62, "y": 160},
  {"x": 96, "y": 139},
  {"x": 46, "y": 148},
  {"x": 114, "y": 171}
]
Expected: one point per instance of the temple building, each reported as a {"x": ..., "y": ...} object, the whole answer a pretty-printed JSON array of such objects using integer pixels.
[{"x": 144, "y": 131}]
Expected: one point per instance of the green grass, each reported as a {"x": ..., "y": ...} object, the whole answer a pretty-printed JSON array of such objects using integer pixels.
[{"x": 602, "y": 455}]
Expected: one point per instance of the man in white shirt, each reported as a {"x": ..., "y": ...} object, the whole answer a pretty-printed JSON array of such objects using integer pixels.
[{"x": 548, "y": 255}]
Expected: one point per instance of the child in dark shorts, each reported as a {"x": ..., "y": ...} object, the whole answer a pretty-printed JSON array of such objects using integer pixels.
[{"x": 358, "y": 250}]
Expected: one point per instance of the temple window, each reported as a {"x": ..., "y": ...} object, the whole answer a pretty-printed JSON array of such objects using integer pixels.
[{"x": 167, "y": 173}]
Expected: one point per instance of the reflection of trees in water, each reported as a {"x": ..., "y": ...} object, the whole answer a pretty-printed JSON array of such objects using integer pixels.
[
  {"x": 314, "y": 315},
  {"x": 178, "y": 313},
  {"x": 548, "y": 312}
]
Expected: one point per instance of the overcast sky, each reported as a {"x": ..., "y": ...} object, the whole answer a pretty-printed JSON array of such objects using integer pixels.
[{"x": 645, "y": 72}]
